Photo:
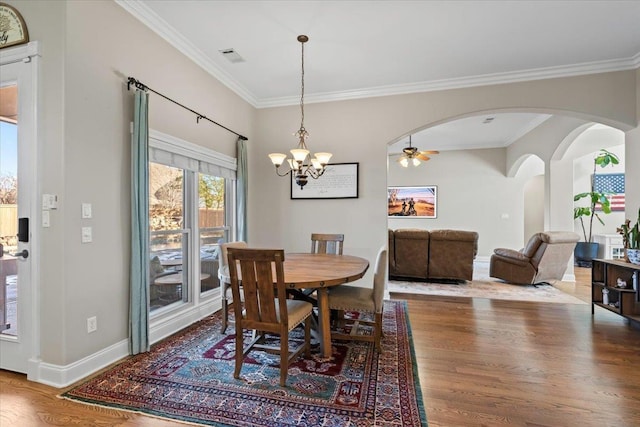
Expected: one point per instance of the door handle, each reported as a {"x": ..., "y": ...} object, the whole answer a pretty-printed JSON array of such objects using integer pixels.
[{"x": 24, "y": 254}]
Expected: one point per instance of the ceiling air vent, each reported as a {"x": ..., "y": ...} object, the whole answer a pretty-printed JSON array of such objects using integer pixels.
[{"x": 232, "y": 56}]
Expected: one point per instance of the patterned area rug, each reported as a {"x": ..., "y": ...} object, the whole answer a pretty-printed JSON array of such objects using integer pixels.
[
  {"x": 189, "y": 377},
  {"x": 483, "y": 286}
]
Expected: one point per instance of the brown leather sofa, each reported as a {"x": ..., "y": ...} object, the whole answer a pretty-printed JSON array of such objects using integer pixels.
[
  {"x": 544, "y": 259},
  {"x": 438, "y": 254}
]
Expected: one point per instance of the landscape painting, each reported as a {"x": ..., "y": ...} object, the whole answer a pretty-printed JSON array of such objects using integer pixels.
[{"x": 412, "y": 202}]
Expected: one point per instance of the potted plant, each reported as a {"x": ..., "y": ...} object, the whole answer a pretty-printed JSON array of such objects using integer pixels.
[
  {"x": 588, "y": 250},
  {"x": 631, "y": 239}
]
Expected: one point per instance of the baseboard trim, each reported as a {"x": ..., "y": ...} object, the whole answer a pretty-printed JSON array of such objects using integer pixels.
[
  {"x": 171, "y": 324},
  {"x": 63, "y": 376}
]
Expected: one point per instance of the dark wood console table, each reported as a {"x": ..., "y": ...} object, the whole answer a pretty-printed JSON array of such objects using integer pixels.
[{"x": 624, "y": 301}]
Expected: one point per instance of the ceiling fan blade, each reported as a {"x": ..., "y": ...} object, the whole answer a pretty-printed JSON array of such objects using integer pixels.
[
  {"x": 395, "y": 154},
  {"x": 428, "y": 152},
  {"x": 422, "y": 157}
]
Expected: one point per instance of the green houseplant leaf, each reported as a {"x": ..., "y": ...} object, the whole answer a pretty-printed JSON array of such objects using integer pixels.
[{"x": 595, "y": 198}]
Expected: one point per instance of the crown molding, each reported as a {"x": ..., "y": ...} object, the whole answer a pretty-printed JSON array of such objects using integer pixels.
[
  {"x": 177, "y": 40},
  {"x": 158, "y": 25},
  {"x": 464, "y": 82}
]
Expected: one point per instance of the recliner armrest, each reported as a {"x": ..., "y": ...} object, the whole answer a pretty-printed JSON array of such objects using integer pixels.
[{"x": 511, "y": 253}]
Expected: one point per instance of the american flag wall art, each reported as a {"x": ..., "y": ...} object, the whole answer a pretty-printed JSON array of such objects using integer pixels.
[{"x": 612, "y": 184}]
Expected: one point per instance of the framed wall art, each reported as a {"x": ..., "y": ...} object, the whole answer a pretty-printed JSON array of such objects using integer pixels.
[
  {"x": 339, "y": 181},
  {"x": 412, "y": 202},
  {"x": 13, "y": 30}
]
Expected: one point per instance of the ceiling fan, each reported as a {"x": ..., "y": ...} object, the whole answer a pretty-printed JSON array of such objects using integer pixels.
[{"x": 412, "y": 154}]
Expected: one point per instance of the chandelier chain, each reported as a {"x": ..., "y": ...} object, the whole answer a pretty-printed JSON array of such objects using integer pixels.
[{"x": 302, "y": 92}]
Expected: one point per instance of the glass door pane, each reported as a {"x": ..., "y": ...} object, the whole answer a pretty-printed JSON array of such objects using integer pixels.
[
  {"x": 169, "y": 239},
  {"x": 8, "y": 211},
  {"x": 212, "y": 229}
]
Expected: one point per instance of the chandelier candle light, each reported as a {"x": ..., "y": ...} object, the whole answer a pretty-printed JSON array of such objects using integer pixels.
[{"x": 302, "y": 165}]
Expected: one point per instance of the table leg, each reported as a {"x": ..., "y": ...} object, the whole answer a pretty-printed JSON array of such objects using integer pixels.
[{"x": 324, "y": 319}]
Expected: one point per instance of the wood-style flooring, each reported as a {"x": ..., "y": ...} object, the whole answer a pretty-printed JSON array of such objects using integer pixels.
[{"x": 481, "y": 362}]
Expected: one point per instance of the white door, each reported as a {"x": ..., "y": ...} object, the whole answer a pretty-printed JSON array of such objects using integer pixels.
[{"x": 17, "y": 205}]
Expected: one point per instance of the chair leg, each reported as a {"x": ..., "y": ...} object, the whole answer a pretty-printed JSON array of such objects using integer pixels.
[
  {"x": 239, "y": 352},
  {"x": 307, "y": 337},
  {"x": 284, "y": 358},
  {"x": 340, "y": 321},
  {"x": 378, "y": 331},
  {"x": 225, "y": 308}
]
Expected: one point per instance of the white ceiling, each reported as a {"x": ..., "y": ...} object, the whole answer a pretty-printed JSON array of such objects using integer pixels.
[{"x": 371, "y": 48}]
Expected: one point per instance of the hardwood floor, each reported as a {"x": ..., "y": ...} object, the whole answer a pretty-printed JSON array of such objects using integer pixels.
[{"x": 481, "y": 362}]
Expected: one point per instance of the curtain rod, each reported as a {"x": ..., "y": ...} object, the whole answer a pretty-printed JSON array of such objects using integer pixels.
[{"x": 139, "y": 85}]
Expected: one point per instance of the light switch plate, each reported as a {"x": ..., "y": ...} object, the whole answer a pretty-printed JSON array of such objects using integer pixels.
[
  {"x": 46, "y": 219},
  {"x": 86, "y": 210},
  {"x": 87, "y": 235},
  {"x": 49, "y": 201}
]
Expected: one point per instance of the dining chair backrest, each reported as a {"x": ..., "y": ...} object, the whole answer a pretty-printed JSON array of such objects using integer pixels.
[
  {"x": 327, "y": 243},
  {"x": 265, "y": 307},
  {"x": 380, "y": 279}
]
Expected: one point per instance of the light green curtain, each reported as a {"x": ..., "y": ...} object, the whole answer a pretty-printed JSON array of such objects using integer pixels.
[
  {"x": 139, "y": 279},
  {"x": 242, "y": 189}
]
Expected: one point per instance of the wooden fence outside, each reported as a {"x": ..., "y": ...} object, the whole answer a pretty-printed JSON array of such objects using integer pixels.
[
  {"x": 8, "y": 224},
  {"x": 211, "y": 218},
  {"x": 8, "y": 220}
]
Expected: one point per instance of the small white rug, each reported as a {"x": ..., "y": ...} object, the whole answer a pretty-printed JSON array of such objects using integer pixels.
[{"x": 483, "y": 286}]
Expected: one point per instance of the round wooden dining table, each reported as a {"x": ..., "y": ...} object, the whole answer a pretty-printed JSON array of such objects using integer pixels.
[{"x": 320, "y": 272}]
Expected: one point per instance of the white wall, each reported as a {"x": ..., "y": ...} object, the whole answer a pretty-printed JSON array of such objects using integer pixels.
[{"x": 533, "y": 207}]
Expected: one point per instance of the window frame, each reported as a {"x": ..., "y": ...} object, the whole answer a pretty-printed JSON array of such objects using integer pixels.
[{"x": 192, "y": 159}]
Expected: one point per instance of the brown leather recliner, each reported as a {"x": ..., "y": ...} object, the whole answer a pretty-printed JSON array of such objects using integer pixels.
[{"x": 544, "y": 259}]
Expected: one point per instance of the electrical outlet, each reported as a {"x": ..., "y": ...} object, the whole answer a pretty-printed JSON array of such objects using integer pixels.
[{"x": 92, "y": 324}]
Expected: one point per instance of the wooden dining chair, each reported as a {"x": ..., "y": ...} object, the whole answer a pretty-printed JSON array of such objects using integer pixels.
[
  {"x": 362, "y": 300},
  {"x": 327, "y": 243},
  {"x": 223, "y": 275},
  {"x": 266, "y": 308},
  {"x": 320, "y": 244}
]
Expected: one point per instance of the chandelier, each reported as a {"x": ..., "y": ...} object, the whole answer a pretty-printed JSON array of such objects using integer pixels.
[{"x": 301, "y": 165}]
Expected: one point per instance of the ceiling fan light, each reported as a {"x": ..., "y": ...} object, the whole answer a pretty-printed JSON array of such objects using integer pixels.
[
  {"x": 415, "y": 161},
  {"x": 404, "y": 162},
  {"x": 323, "y": 158},
  {"x": 277, "y": 158}
]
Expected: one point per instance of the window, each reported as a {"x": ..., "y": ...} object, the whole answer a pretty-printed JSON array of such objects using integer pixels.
[{"x": 191, "y": 211}]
